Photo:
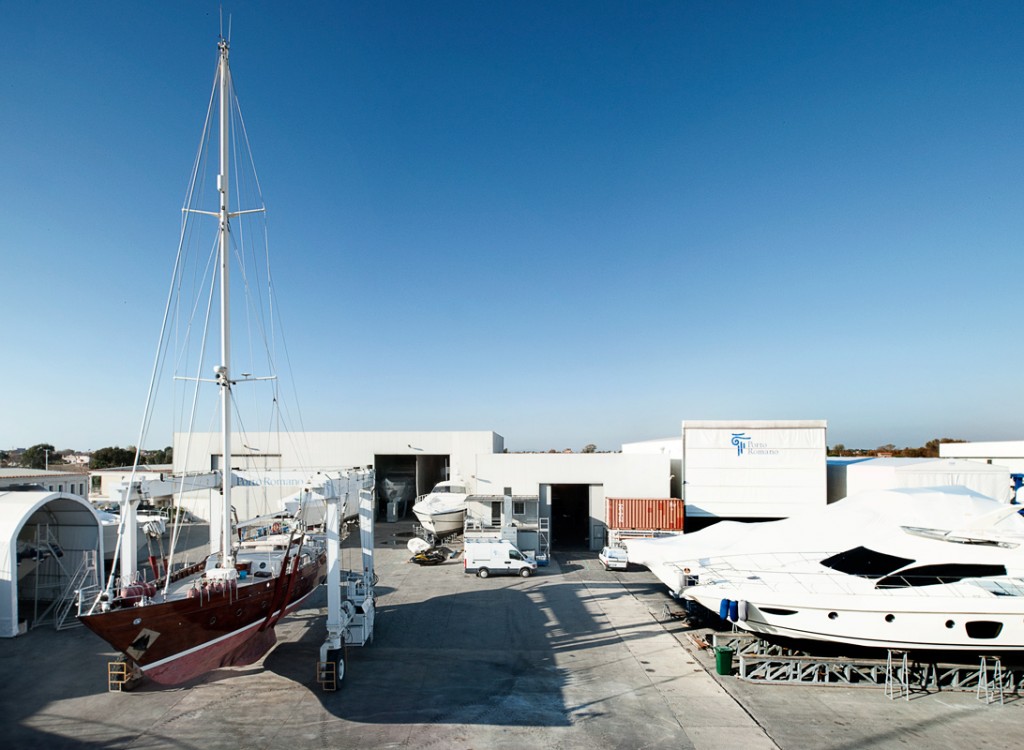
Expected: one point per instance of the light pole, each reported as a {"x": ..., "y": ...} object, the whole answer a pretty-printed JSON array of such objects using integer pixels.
[{"x": 46, "y": 459}]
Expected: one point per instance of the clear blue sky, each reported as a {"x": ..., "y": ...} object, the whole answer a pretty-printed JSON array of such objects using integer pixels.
[{"x": 567, "y": 222}]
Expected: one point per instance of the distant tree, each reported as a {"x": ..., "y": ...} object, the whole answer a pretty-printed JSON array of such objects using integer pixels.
[
  {"x": 161, "y": 456},
  {"x": 589, "y": 448},
  {"x": 4, "y": 458},
  {"x": 104, "y": 458},
  {"x": 37, "y": 457}
]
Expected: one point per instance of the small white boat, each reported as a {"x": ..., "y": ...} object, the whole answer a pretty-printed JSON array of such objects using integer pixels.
[{"x": 442, "y": 511}]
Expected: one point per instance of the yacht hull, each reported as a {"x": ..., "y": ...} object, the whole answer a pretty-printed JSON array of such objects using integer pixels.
[
  {"x": 988, "y": 624},
  {"x": 175, "y": 641},
  {"x": 441, "y": 523}
]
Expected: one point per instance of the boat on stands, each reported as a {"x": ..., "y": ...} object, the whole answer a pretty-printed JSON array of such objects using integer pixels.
[
  {"x": 442, "y": 511},
  {"x": 221, "y": 610},
  {"x": 924, "y": 569}
]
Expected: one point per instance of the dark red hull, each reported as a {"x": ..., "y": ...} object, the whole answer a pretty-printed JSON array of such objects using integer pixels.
[{"x": 173, "y": 642}]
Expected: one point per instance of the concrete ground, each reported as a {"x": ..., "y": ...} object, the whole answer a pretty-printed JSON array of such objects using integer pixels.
[{"x": 575, "y": 657}]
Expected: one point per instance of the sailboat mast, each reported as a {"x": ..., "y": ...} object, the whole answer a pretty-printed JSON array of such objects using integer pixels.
[{"x": 223, "y": 374}]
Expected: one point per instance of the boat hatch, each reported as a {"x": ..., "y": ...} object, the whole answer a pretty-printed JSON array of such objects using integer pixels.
[
  {"x": 934, "y": 575},
  {"x": 866, "y": 563}
]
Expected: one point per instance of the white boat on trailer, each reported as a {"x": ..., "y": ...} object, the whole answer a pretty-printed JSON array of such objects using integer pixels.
[{"x": 932, "y": 569}]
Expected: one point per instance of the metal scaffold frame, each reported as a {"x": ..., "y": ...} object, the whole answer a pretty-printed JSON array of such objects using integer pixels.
[{"x": 901, "y": 673}]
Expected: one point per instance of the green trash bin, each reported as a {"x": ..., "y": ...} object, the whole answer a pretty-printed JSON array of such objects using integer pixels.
[{"x": 723, "y": 660}]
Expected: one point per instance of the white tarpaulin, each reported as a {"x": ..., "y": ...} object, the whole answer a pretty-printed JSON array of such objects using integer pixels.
[{"x": 72, "y": 524}]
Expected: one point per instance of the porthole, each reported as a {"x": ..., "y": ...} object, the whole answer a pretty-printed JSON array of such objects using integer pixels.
[
  {"x": 833, "y": 615},
  {"x": 213, "y": 620},
  {"x": 950, "y": 624},
  {"x": 238, "y": 613},
  {"x": 137, "y": 621},
  {"x": 890, "y": 618}
]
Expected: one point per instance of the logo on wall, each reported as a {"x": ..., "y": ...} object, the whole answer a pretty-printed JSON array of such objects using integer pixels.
[
  {"x": 740, "y": 440},
  {"x": 746, "y": 444}
]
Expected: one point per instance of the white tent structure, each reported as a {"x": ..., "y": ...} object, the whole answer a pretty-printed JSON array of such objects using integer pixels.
[
  {"x": 852, "y": 477},
  {"x": 46, "y": 540}
]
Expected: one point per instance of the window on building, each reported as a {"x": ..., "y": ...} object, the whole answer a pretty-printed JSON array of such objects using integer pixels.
[
  {"x": 97, "y": 484},
  {"x": 496, "y": 513},
  {"x": 518, "y": 508}
]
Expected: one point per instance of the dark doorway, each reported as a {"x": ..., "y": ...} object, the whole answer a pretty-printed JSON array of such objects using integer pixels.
[
  {"x": 403, "y": 478},
  {"x": 570, "y": 515}
]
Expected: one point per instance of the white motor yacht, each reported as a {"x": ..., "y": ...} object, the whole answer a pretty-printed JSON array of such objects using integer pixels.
[
  {"x": 937, "y": 569},
  {"x": 442, "y": 511}
]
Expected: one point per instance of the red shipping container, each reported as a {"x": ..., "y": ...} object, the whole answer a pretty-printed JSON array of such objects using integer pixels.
[{"x": 645, "y": 514}]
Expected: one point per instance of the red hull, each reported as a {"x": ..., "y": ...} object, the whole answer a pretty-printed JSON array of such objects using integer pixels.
[{"x": 176, "y": 641}]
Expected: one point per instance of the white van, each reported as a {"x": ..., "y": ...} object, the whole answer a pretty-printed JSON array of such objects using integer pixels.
[{"x": 496, "y": 556}]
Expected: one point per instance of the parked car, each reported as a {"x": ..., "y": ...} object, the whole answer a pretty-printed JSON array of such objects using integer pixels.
[{"x": 614, "y": 557}]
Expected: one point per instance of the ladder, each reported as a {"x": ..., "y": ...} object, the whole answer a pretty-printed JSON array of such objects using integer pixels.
[
  {"x": 85, "y": 576},
  {"x": 988, "y": 690},
  {"x": 896, "y": 676}
]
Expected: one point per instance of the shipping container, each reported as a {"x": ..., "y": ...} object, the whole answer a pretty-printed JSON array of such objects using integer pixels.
[{"x": 646, "y": 514}]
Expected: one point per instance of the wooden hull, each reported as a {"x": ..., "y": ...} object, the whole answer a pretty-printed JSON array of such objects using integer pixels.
[{"x": 178, "y": 640}]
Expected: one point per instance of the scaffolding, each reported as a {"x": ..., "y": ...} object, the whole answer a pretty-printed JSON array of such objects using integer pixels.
[{"x": 900, "y": 672}]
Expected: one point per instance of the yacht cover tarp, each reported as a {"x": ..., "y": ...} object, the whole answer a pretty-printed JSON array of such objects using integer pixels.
[{"x": 835, "y": 527}]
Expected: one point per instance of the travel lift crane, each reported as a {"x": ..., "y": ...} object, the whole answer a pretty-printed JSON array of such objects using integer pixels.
[{"x": 349, "y": 618}]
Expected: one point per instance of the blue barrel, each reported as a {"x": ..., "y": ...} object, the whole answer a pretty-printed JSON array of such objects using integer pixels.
[
  {"x": 734, "y": 611},
  {"x": 723, "y": 609}
]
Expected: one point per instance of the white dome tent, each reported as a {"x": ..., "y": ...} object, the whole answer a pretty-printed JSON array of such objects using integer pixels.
[{"x": 46, "y": 540}]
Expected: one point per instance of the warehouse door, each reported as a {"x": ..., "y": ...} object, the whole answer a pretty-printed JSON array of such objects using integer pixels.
[{"x": 570, "y": 515}]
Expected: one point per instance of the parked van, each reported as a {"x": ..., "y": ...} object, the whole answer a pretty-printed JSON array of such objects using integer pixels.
[{"x": 496, "y": 556}]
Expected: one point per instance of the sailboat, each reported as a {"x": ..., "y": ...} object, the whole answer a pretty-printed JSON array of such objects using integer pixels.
[{"x": 221, "y": 611}]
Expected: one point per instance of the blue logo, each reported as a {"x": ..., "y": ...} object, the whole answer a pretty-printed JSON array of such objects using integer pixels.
[{"x": 740, "y": 440}]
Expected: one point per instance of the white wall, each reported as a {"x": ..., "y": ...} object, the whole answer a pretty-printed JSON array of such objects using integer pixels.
[
  {"x": 295, "y": 454},
  {"x": 753, "y": 468},
  {"x": 606, "y": 474},
  {"x": 895, "y": 473},
  {"x": 621, "y": 475},
  {"x": 1008, "y": 453}
]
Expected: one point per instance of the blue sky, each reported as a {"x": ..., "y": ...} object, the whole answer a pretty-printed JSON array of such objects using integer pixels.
[{"x": 567, "y": 222}]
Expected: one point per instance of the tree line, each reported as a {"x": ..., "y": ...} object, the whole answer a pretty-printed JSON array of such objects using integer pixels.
[
  {"x": 928, "y": 450},
  {"x": 44, "y": 455}
]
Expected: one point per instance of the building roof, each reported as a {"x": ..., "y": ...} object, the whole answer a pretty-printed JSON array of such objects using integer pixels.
[{"x": 18, "y": 472}]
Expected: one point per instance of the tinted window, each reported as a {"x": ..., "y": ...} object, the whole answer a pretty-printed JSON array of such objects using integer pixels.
[
  {"x": 866, "y": 563},
  {"x": 933, "y": 575}
]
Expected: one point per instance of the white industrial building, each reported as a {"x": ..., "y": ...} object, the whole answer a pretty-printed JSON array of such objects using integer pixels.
[
  {"x": 753, "y": 468},
  {"x": 570, "y": 489},
  {"x": 850, "y": 476},
  {"x": 1008, "y": 453},
  {"x": 73, "y": 482}
]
